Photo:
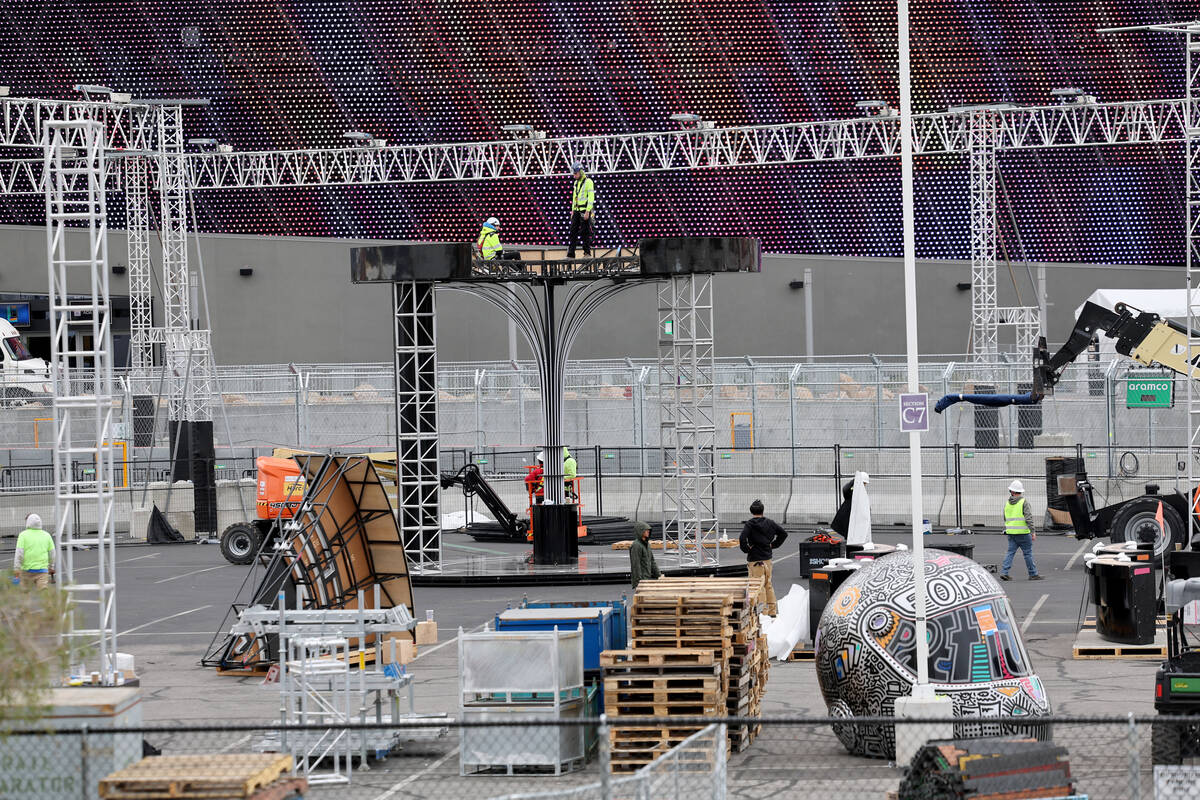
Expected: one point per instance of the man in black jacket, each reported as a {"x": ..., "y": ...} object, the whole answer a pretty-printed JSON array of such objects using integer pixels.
[{"x": 759, "y": 537}]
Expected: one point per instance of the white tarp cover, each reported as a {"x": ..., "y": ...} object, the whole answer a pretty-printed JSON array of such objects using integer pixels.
[
  {"x": 789, "y": 626},
  {"x": 454, "y": 520},
  {"x": 859, "y": 531}
]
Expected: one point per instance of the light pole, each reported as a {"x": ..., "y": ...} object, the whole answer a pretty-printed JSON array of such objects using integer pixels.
[{"x": 923, "y": 704}]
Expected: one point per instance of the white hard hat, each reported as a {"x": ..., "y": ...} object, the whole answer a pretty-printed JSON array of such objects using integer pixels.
[
  {"x": 539, "y": 458},
  {"x": 1017, "y": 486},
  {"x": 33, "y": 521},
  {"x": 493, "y": 223}
]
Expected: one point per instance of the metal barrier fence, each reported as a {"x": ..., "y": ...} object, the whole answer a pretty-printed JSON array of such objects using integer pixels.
[
  {"x": 963, "y": 486},
  {"x": 759, "y": 402},
  {"x": 1123, "y": 758}
]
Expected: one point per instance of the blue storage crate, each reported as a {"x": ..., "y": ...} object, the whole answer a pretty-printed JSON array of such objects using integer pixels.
[
  {"x": 619, "y": 622},
  {"x": 596, "y": 623}
]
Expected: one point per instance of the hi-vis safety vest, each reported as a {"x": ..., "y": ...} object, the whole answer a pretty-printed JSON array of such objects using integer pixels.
[
  {"x": 1014, "y": 517},
  {"x": 583, "y": 197},
  {"x": 489, "y": 244}
]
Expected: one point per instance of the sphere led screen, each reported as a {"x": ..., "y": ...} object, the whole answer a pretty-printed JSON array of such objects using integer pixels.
[{"x": 301, "y": 74}]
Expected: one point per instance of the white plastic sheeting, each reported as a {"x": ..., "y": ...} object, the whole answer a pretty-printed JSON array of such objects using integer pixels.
[
  {"x": 458, "y": 519},
  {"x": 859, "y": 531},
  {"x": 789, "y": 626}
]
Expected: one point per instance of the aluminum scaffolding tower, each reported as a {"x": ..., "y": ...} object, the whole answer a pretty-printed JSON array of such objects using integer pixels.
[
  {"x": 82, "y": 409},
  {"x": 1192, "y": 271},
  {"x": 418, "y": 512},
  {"x": 687, "y": 421},
  {"x": 987, "y": 318},
  {"x": 137, "y": 229},
  {"x": 189, "y": 351}
]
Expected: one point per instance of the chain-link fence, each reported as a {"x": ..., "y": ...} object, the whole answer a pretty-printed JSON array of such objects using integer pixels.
[
  {"x": 788, "y": 433},
  {"x": 759, "y": 403},
  {"x": 683, "y": 759}
]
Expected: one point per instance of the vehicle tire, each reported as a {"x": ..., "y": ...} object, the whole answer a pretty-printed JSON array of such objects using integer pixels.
[
  {"x": 1135, "y": 521},
  {"x": 240, "y": 543},
  {"x": 1166, "y": 740}
]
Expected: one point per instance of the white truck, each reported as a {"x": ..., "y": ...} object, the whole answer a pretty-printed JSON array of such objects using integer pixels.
[{"x": 22, "y": 377}]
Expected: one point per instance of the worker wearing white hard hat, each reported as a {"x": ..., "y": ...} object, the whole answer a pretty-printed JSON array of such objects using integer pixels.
[
  {"x": 1018, "y": 529},
  {"x": 583, "y": 206},
  {"x": 535, "y": 482},
  {"x": 488, "y": 243}
]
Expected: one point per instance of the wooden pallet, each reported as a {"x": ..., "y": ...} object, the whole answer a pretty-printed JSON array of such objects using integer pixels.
[
  {"x": 195, "y": 777},
  {"x": 669, "y": 657},
  {"x": 802, "y": 653},
  {"x": 282, "y": 789},
  {"x": 707, "y": 707},
  {"x": 1090, "y": 621},
  {"x": 619, "y": 734},
  {"x": 1089, "y": 645}
]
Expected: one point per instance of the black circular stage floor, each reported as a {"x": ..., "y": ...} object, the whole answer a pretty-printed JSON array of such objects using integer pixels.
[{"x": 467, "y": 562}]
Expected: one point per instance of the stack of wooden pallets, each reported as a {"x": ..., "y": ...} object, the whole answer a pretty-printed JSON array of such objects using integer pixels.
[
  {"x": 668, "y": 683},
  {"x": 715, "y": 615}
]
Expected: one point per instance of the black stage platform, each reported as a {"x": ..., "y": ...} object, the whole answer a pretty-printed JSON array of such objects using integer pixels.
[
  {"x": 602, "y": 531},
  {"x": 510, "y": 564}
]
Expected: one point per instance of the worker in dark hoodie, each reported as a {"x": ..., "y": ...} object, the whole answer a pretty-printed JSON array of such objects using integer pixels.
[{"x": 759, "y": 537}]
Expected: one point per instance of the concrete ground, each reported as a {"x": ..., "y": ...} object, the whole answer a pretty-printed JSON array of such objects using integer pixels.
[{"x": 172, "y": 599}]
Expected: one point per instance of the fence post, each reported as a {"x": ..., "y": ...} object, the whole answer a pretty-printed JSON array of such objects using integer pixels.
[
  {"x": 1135, "y": 779},
  {"x": 299, "y": 409},
  {"x": 599, "y": 482},
  {"x": 85, "y": 779},
  {"x": 795, "y": 374},
  {"x": 718, "y": 788},
  {"x": 878, "y": 390},
  {"x": 958, "y": 523},
  {"x": 605, "y": 765},
  {"x": 520, "y": 404},
  {"x": 479, "y": 373},
  {"x": 837, "y": 475}
]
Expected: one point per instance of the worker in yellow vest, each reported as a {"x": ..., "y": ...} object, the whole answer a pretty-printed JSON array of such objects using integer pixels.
[
  {"x": 489, "y": 245},
  {"x": 33, "y": 561},
  {"x": 1018, "y": 527},
  {"x": 583, "y": 206}
]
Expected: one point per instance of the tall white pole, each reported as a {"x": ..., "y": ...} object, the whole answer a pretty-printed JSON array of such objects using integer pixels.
[{"x": 910, "y": 319}]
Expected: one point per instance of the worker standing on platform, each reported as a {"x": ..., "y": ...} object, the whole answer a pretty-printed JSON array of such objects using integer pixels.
[
  {"x": 1018, "y": 524},
  {"x": 583, "y": 204},
  {"x": 760, "y": 536},
  {"x": 535, "y": 481},
  {"x": 489, "y": 245},
  {"x": 570, "y": 470},
  {"x": 33, "y": 561},
  {"x": 642, "y": 566}
]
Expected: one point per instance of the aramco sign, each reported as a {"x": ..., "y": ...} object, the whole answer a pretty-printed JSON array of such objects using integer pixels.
[{"x": 1157, "y": 392}]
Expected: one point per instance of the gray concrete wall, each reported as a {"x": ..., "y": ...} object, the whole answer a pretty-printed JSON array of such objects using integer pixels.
[{"x": 299, "y": 304}]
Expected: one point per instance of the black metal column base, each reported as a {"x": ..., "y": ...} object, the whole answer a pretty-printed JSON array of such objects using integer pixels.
[
  {"x": 555, "y": 540},
  {"x": 195, "y": 461}
]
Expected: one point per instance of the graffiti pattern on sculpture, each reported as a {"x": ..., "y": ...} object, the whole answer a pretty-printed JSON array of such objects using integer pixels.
[{"x": 866, "y": 650}]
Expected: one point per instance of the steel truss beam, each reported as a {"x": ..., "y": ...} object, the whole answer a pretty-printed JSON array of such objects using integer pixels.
[
  {"x": 688, "y": 415},
  {"x": 82, "y": 409},
  {"x": 188, "y": 352},
  {"x": 418, "y": 511},
  {"x": 795, "y": 143},
  {"x": 24, "y": 122},
  {"x": 137, "y": 228}
]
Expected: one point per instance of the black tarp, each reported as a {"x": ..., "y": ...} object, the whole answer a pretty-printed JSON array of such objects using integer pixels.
[{"x": 159, "y": 531}]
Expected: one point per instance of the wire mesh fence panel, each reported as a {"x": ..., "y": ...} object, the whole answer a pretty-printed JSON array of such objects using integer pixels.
[{"x": 528, "y": 756}]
